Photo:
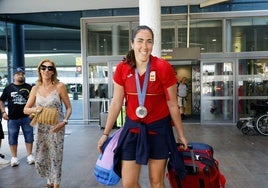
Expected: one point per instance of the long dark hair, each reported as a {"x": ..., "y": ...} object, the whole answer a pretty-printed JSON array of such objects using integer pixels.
[{"x": 130, "y": 56}]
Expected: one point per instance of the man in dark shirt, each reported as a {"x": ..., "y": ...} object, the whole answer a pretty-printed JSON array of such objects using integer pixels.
[{"x": 16, "y": 94}]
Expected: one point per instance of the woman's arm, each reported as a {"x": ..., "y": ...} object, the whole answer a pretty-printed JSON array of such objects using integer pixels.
[
  {"x": 175, "y": 114},
  {"x": 114, "y": 110},
  {"x": 29, "y": 107}
]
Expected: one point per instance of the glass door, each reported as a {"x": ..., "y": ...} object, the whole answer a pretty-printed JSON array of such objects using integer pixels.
[
  {"x": 252, "y": 86},
  {"x": 100, "y": 85},
  {"x": 217, "y": 96}
]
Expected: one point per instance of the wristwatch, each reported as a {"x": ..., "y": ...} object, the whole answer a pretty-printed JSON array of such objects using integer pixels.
[{"x": 65, "y": 121}]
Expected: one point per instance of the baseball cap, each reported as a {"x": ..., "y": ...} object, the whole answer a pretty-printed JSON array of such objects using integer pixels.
[{"x": 18, "y": 70}]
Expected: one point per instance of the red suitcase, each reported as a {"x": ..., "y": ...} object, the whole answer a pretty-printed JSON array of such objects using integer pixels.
[{"x": 202, "y": 170}]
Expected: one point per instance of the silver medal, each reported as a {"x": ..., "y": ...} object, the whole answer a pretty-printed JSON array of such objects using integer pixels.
[{"x": 141, "y": 112}]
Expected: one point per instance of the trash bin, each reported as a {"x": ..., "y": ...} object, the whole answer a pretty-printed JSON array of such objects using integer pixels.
[{"x": 75, "y": 96}]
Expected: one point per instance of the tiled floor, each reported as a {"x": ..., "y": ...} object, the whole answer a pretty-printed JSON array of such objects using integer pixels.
[{"x": 243, "y": 159}]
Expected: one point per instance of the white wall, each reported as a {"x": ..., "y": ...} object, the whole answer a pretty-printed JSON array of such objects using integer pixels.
[{"x": 31, "y": 6}]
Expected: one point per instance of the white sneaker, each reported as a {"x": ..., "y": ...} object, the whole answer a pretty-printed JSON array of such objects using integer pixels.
[
  {"x": 14, "y": 161},
  {"x": 3, "y": 161},
  {"x": 30, "y": 159}
]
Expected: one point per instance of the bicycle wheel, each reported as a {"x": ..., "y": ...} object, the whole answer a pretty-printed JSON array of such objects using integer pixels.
[{"x": 262, "y": 124}]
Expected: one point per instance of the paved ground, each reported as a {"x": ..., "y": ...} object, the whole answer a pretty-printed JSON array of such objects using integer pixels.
[{"x": 242, "y": 158}]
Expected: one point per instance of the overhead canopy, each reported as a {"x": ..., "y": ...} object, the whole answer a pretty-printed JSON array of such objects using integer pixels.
[
  {"x": 34, "y": 6},
  {"x": 211, "y": 2}
]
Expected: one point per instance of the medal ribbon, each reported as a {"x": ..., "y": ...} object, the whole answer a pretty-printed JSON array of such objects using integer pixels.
[{"x": 142, "y": 92}]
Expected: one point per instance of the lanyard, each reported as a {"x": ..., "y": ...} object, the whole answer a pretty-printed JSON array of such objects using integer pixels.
[{"x": 142, "y": 92}]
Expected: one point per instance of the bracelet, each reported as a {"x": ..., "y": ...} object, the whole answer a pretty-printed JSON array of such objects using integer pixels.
[
  {"x": 105, "y": 134},
  {"x": 65, "y": 121}
]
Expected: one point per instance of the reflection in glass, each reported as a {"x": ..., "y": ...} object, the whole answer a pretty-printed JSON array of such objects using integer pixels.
[
  {"x": 218, "y": 110},
  {"x": 206, "y": 34},
  {"x": 108, "y": 38},
  {"x": 249, "y": 34},
  {"x": 98, "y": 80},
  {"x": 98, "y": 89},
  {"x": 252, "y": 85},
  {"x": 217, "y": 91}
]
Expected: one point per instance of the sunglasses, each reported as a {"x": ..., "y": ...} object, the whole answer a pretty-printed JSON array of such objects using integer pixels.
[{"x": 49, "y": 68}]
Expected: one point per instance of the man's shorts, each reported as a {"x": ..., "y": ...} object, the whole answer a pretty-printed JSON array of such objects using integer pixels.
[
  {"x": 182, "y": 101},
  {"x": 14, "y": 129}
]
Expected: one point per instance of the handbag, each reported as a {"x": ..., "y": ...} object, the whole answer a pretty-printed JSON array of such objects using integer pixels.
[
  {"x": 48, "y": 116},
  {"x": 103, "y": 170}
]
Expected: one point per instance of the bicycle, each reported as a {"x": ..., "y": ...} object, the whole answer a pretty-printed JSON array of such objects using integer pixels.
[{"x": 257, "y": 123}]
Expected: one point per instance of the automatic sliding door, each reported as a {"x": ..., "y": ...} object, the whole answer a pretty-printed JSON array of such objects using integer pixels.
[
  {"x": 98, "y": 89},
  {"x": 100, "y": 85},
  {"x": 217, "y": 96},
  {"x": 252, "y": 85}
]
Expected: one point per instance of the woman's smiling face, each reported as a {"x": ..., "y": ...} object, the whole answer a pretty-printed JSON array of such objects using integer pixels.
[{"x": 143, "y": 45}]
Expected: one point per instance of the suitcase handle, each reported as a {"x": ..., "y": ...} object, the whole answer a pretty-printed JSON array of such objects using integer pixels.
[{"x": 190, "y": 147}]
